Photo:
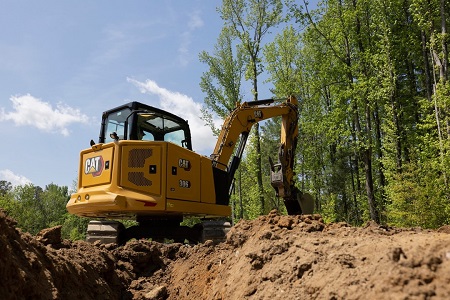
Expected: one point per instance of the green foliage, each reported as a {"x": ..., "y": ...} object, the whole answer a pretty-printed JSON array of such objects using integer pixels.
[
  {"x": 367, "y": 115},
  {"x": 5, "y": 187},
  {"x": 190, "y": 221},
  {"x": 35, "y": 209},
  {"x": 222, "y": 82},
  {"x": 74, "y": 227},
  {"x": 328, "y": 210},
  {"x": 238, "y": 54},
  {"x": 250, "y": 192},
  {"x": 418, "y": 198},
  {"x": 284, "y": 63}
]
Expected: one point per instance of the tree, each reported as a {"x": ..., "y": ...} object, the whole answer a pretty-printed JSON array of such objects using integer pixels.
[
  {"x": 222, "y": 82},
  {"x": 35, "y": 209},
  {"x": 250, "y": 21},
  {"x": 370, "y": 108},
  {"x": 284, "y": 64},
  {"x": 5, "y": 187}
]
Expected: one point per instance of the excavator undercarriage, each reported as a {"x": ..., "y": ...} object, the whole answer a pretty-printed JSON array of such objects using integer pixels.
[{"x": 109, "y": 231}]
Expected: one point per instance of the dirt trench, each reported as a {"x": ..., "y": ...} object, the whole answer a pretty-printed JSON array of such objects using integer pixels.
[{"x": 272, "y": 257}]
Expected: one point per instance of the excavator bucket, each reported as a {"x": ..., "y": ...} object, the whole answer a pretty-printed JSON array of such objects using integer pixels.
[
  {"x": 299, "y": 203},
  {"x": 306, "y": 202}
]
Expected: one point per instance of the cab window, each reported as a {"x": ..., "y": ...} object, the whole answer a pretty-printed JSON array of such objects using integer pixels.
[
  {"x": 115, "y": 122},
  {"x": 155, "y": 127}
]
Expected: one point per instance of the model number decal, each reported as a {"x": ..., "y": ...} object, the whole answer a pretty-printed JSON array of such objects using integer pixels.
[
  {"x": 94, "y": 166},
  {"x": 184, "y": 163},
  {"x": 184, "y": 183},
  {"x": 258, "y": 114}
]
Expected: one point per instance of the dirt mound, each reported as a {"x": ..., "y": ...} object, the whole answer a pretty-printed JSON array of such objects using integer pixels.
[
  {"x": 45, "y": 267},
  {"x": 272, "y": 257}
]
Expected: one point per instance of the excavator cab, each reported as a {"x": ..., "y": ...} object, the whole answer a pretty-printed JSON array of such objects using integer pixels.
[
  {"x": 137, "y": 121},
  {"x": 143, "y": 168}
]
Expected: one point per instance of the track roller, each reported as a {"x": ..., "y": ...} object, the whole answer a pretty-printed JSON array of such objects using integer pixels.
[{"x": 107, "y": 231}]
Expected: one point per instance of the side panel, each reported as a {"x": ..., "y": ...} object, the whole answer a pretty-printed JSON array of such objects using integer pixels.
[
  {"x": 96, "y": 166},
  {"x": 183, "y": 174},
  {"x": 147, "y": 178},
  {"x": 142, "y": 168},
  {"x": 208, "y": 193}
]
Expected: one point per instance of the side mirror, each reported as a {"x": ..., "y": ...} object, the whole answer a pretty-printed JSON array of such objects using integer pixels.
[{"x": 114, "y": 136}]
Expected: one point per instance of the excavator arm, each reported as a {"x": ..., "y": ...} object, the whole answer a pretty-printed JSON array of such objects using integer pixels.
[{"x": 233, "y": 136}]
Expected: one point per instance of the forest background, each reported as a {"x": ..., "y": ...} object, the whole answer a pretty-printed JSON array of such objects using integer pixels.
[{"x": 372, "y": 80}]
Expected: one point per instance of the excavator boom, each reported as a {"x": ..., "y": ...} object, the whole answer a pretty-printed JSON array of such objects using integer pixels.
[{"x": 237, "y": 127}]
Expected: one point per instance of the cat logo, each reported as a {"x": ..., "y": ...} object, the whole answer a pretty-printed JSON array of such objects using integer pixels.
[{"x": 94, "y": 166}]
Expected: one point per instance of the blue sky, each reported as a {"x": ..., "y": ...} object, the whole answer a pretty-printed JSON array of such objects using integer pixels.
[{"x": 62, "y": 63}]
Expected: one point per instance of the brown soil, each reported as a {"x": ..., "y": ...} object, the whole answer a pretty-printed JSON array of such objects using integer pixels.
[{"x": 273, "y": 257}]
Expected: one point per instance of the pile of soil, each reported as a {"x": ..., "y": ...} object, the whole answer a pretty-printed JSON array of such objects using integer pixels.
[{"x": 272, "y": 257}]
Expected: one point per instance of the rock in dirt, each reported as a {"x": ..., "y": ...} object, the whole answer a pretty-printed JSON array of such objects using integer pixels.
[
  {"x": 50, "y": 236},
  {"x": 157, "y": 293}
]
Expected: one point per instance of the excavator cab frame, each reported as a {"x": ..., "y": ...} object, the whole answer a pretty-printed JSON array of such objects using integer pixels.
[{"x": 137, "y": 121}]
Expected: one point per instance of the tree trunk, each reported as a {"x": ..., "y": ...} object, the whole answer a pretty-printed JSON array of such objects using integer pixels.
[
  {"x": 443, "y": 71},
  {"x": 258, "y": 143},
  {"x": 368, "y": 169},
  {"x": 426, "y": 66},
  {"x": 379, "y": 154},
  {"x": 398, "y": 142},
  {"x": 367, "y": 151},
  {"x": 354, "y": 191},
  {"x": 241, "y": 206},
  {"x": 259, "y": 169}
]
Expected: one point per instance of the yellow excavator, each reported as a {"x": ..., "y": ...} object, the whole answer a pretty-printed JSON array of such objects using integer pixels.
[{"x": 143, "y": 168}]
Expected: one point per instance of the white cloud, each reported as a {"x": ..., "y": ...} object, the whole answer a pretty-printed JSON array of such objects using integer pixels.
[
  {"x": 184, "y": 106},
  {"x": 195, "y": 21},
  {"x": 31, "y": 111},
  {"x": 9, "y": 176}
]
